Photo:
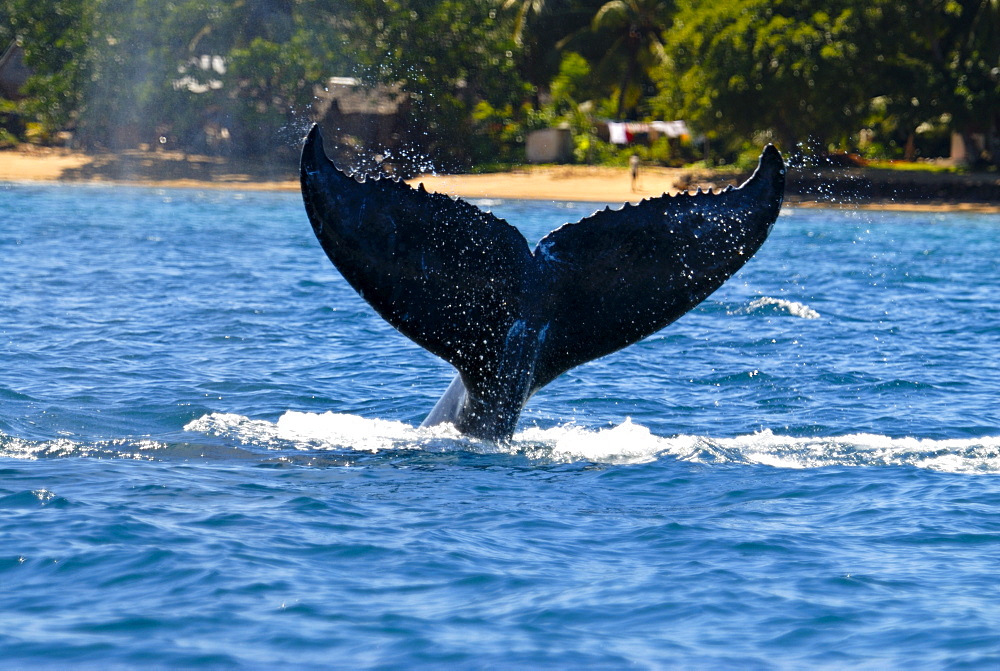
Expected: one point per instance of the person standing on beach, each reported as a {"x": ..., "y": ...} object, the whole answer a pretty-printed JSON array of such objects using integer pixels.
[{"x": 633, "y": 166}]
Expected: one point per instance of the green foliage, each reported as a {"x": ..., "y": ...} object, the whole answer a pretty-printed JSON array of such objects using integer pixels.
[
  {"x": 813, "y": 73},
  {"x": 477, "y": 75},
  {"x": 590, "y": 149},
  {"x": 574, "y": 82},
  {"x": 125, "y": 72},
  {"x": 267, "y": 81},
  {"x": 673, "y": 152},
  {"x": 741, "y": 66},
  {"x": 447, "y": 55},
  {"x": 55, "y": 38},
  {"x": 944, "y": 61},
  {"x": 635, "y": 29},
  {"x": 505, "y": 131}
]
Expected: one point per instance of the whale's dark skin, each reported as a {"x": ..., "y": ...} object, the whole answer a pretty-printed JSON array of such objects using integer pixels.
[{"x": 465, "y": 285}]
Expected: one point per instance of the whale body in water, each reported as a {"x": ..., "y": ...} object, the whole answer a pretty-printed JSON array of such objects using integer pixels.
[{"x": 465, "y": 285}]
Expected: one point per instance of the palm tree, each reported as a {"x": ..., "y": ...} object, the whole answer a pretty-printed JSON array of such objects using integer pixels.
[
  {"x": 636, "y": 28},
  {"x": 536, "y": 7}
]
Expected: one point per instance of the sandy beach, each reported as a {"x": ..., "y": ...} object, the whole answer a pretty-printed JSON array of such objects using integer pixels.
[
  {"x": 581, "y": 183},
  {"x": 164, "y": 169},
  {"x": 40, "y": 165},
  {"x": 568, "y": 183}
]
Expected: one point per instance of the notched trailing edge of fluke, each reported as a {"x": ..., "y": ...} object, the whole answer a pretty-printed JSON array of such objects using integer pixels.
[{"x": 459, "y": 281}]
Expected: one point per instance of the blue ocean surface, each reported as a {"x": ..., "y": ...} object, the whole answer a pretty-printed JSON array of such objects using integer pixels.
[{"x": 209, "y": 456}]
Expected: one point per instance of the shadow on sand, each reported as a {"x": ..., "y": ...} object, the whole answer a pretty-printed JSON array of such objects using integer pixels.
[{"x": 164, "y": 167}]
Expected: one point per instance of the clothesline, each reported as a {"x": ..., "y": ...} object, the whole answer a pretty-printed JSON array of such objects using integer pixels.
[{"x": 623, "y": 132}]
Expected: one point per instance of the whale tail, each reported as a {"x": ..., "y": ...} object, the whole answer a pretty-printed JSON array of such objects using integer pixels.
[{"x": 464, "y": 284}]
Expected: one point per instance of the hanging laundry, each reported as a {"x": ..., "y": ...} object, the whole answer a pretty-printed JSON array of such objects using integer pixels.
[
  {"x": 617, "y": 132},
  {"x": 670, "y": 128}
]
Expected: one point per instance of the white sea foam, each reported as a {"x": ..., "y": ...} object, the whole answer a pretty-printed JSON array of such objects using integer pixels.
[
  {"x": 339, "y": 430},
  {"x": 781, "y": 305},
  {"x": 18, "y": 448},
  {"x": 122, "y": 448},
  {"x": 975, "y": 455},
  {"x": 230, "y": 425},
  {"x": 325, "y": 431},
  {"x": 626, "y": 443}
]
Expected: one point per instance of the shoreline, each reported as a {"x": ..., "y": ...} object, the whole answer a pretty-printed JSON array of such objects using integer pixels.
[{"x": 597, "y": 184}]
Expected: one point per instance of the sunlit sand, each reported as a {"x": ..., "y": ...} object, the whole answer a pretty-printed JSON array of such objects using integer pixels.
[{"x": 568, "y": 183}]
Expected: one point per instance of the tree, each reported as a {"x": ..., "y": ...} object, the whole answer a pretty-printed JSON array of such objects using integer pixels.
[
  {"x": 814, "y": 71},
  {"x": 55, "y": 36},
  {"x": 941, "y": 60},
  {"x": 635, "y": 28},
  {"x": 446, "y": 55},
  {"x": 739, "y": 67},
  {"x": 525, "y": 8},
  {"x": 128, "y": 72}
]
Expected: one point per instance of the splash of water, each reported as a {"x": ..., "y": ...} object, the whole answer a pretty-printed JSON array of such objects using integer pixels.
[
  {"x": 767, "y": 304},
  {"x": 626, "y": 443}
]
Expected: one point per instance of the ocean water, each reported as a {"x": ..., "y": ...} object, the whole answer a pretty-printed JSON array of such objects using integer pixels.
[{"x": 209, "y": 457}]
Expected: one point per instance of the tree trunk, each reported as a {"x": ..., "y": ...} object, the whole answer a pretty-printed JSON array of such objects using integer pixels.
[{"x": 633, "y": 61}]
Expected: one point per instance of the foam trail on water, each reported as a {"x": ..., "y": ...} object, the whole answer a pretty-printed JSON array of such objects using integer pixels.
[
  {"x": 626, "y": 443},
  {"x": 319, "y": 431},
  {"x": 958, "y": 455},
  {"x": 334, "y": 429}
]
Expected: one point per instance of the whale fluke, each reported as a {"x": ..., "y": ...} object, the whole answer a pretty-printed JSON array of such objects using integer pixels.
[{"x": 464, "y": 284}]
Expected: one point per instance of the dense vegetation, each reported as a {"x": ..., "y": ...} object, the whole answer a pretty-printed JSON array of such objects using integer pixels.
[{"x": 885, "y": 77}]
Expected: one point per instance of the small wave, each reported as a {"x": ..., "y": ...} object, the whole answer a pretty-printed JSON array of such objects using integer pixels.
[
  {"x": 486, "y": 203},
  {"x": 766, "y": 304},
  {"x": 626, "y": 443},
  {"x": 632, "y": 443},
  {"x": 36, "y": 498},
  {"x": 976, "y": 455},
  {"x": 19, "y": 448}
]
